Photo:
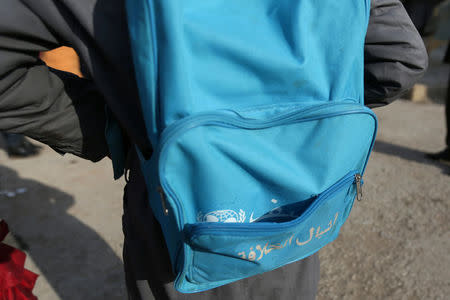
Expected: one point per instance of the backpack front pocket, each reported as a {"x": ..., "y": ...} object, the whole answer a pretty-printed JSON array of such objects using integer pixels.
[
  {"x": 222, "y": 251},
  {"x": 251, "y": 190}
]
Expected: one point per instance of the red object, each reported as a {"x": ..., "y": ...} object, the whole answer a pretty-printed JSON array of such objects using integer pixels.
[{"x": 16, "y": 282}]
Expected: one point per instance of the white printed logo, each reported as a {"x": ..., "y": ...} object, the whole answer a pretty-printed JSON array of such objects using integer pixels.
[
  {"x": 231, "y": 216},
  {"x": 222, "y": 216},
  {"x": 264, "y": 250}
]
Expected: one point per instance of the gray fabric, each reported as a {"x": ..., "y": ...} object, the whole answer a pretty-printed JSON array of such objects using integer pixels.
[
  {"x": 395, "y": 56},
  {"x": 64, "y": 112}
]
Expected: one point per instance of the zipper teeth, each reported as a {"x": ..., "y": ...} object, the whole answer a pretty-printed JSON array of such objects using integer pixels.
[
  {"x": 203, "y": 228},
  {"x": 251, "y": 122},
  {"x": 234, "y": 122}
]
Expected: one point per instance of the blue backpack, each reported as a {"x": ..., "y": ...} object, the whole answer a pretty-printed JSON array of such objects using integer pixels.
[{"x": 255, "y": 111}]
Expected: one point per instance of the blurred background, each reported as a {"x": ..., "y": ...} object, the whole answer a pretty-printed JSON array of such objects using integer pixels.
[{"x": 395, "y": 245}]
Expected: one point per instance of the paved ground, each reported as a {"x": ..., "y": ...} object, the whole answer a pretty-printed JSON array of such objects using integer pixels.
[
  {"x": 432, "y": 86},
  {"x": 69, "y": 222},
  {"x": 395, "y": 245}
]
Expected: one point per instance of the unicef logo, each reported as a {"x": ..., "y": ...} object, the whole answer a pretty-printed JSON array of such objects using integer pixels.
[{"x": 222, "y": 216}]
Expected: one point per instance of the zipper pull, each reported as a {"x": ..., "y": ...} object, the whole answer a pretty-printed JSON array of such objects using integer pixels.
[
  {"x": 163, "y": 200},
  {"x": 359, "y": 194}
]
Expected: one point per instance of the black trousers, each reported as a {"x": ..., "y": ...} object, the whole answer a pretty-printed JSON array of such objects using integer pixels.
[
  {"x": 148, "y": 270},
  {"x": 447, "y": 113},
  {"x": 447, "y": 102},
  {"x": 420, "y": 12}
]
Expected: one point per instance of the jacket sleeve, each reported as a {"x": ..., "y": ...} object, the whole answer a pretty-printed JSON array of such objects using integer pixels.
[
  {"x": 54, "y": 107},
  {"x": 394, "y": 53}
]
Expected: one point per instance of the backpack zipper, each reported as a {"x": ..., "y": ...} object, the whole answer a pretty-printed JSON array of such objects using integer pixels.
[
  {"x": 163, "y": 200},
  {"x": 359, "y": 194},
  {"x": 223, "y": 120},
  {"x": 249, "y": 228}
]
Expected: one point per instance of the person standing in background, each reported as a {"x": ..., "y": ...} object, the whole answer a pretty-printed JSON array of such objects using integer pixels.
[
  {"x": 440, "y": 26},
  {"x": 420, "y": 12},
  {"x": 18, "y": 146}
]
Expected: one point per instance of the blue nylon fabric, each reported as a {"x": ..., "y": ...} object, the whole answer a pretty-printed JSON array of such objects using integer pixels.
[
  {"x": 206, "y": 55},
  {"x": 255, "y": 109},
  {"x": 303, "y": 159},
  {"x": 299, "y": 241}
]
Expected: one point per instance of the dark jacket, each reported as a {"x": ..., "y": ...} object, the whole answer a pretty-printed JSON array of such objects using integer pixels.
[{"x": 68, "y": 113}]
